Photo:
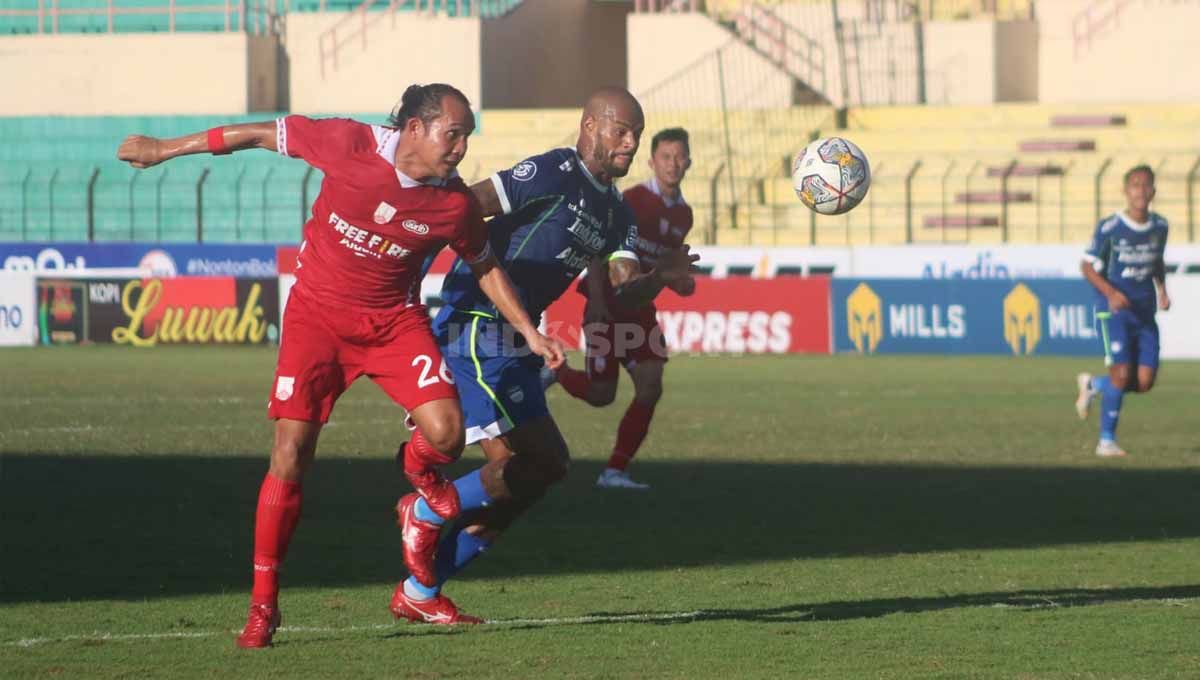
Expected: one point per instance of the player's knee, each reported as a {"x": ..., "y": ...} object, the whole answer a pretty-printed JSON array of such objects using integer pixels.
[
  {"x": 289, "y": 459},
  {"x": 649, "y": 394},
  {"x": 446, "y": 435},
  {"x": 602, "y": 393},
  {"x": 1145, "y": 385}
]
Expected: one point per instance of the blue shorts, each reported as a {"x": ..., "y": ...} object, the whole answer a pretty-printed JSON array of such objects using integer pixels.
[
  {"x": 497, "y": 376},
  {"x": 1129, "y": 338}
]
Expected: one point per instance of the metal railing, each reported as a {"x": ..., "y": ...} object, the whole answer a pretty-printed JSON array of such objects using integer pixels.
[
  {"x": 226, "y": 202},
  {"x": 259, "y": 17},
  {"x": 971, "y": 199},
  {"x": 931, "y": 199},
  {"x": 872, "y": 10},
  {"x": 787, "y": 46}
]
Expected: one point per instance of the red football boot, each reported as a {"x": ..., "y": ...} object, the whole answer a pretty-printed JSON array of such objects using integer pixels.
[
  {"x": 261, "y": 624},
  {"x": 438, "y": 610},
  {"x": 438, "y": 491},
  {"x": 420, "y": 541}
]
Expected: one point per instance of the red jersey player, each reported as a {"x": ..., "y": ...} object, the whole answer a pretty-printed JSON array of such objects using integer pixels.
[
  {"x": 390, "y": 197},
  {"x": 633, "y": 337}
]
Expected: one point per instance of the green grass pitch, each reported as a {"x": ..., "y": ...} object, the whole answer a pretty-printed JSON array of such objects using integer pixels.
[{"x": 811, "y": 517}]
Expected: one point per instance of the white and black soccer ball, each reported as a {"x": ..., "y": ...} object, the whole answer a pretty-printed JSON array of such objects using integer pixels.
[{"x": 831, "y": 175}]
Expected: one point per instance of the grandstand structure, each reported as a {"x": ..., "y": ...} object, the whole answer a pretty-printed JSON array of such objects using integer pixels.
[{"x": 971, "y": 139}]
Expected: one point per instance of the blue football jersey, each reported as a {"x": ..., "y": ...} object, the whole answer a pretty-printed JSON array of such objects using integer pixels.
[
  {"x": 1130, "y": 255},
  {"x": 557, "y": 218}
]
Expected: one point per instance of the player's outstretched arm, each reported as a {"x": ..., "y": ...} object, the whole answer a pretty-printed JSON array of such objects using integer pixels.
[
  {"x": 489, "y": 200},
  {"x": 633, "y": 290},
  {"x": 596, "y": 310},
  {"x": 141, "y": 151},
  {"x": 494, "y": 283}
]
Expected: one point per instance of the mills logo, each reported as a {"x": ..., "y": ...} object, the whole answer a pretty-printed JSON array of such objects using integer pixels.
[
  {"x": 1022, "y": 320},
  {"x": 864, "y": 318}
]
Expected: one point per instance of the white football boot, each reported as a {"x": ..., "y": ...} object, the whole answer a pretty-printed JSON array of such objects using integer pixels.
[
  {"x": 1083, "y": 401},
  {"x": 1107, "y": 448},
  {"x": 613, "y": 478}
]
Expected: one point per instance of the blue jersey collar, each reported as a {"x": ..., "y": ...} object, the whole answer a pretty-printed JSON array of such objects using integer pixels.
[{"x": 592, "y": 178}]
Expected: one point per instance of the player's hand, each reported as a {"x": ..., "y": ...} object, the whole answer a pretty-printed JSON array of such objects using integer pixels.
[
  {"x": 685, "y": 287},
  {"x": 1117, "y": 301},
  {"x": 547, "y": 348},
  {"x": 676, "y": 264},
  {"x": 141, "y": 151},
  {"x": 1164, "y": 301}
]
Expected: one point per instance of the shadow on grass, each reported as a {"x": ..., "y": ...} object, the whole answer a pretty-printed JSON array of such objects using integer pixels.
[
  {"x": 111, "y": 526},
  {"x": 868, "y": 609}
]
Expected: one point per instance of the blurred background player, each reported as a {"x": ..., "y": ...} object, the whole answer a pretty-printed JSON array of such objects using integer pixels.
[
  {"x": 1125, "y": 264},
  {"x": 558, "y": 213},
  {"x": 390, "y": 196},
  {"x": 632, "y": 337}
]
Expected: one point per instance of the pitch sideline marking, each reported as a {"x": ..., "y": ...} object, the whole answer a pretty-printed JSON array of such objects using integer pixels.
[
  {"x": 150, "y": 637},
  {"x": 697, "y": 614}
]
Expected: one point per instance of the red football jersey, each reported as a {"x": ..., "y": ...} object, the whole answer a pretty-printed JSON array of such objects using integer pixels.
[
  {"x": 661, "y": 224},
  {"x": 372, "y": 226}
]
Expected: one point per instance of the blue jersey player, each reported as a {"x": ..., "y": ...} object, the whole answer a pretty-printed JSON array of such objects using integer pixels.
[
  {"x": 1125, "y": 264},
  {"x": 557, "y": 214}
]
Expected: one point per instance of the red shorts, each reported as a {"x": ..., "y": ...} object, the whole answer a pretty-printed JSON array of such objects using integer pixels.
[
  {"x": 630, "y": 338},
  {"x": 323, "y": 351}
]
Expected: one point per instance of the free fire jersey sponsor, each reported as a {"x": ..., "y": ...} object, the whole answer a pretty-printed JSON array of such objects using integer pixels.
[{"x": 372, "y": 226}]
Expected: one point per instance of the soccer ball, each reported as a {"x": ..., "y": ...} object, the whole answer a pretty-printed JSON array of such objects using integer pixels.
[{"x": 831, "y": 175}]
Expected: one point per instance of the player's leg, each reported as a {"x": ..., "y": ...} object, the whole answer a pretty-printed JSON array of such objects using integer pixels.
[
  {"x": 278, "y": 511},
  {"x": 1147, "y": 356},
  {"x": 407, "y": 364},
  {"x": 513, "y": 482},
  {"x": 1119, "y": 355},
  {"x": 596, "y": 382},
  {"x": 647, "y": 376},
  {"x": 310, "y": 375},
  {"x": 437, "y": 440}
]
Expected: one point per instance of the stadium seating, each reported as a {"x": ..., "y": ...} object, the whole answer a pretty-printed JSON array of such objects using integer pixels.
[
  {"x": 140, "y": 16},
  {"x": 957, "y": 159},
  {"x": 47, "y": 164}
]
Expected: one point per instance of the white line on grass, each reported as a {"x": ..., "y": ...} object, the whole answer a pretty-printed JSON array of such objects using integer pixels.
[
  {"x": 561, "y": 621},
  {"x": 150, "y": 637}
]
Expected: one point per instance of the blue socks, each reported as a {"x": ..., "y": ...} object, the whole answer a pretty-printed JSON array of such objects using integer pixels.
[
  {"x": 457, "y": 548},
  {"x": 471, "y": 494},
  {"x": 414, "y": 590},
  {"x": 1110, "y": 407},
  {"x": 426, "y": 514},
  {"x": 456, "y": 551}
]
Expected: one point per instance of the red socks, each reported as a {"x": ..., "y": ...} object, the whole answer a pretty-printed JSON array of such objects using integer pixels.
[
  {"x": 276, "y": 518},
  {"x": 574, "y": 381},
  {"x": 421, "y": 455},
  {"x": 631, "y": 433}
]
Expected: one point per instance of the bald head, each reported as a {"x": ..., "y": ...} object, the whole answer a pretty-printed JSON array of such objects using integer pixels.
[
  {"x": 609, "y": 132},
  {"x": 611, "y": 102}
]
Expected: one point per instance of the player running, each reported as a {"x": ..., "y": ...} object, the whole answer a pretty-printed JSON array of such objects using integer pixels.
[
  {"x": 1125, "y": 264},
  {"x": 632, "y": 337},
  {"x": 390, "y": 196},
  {"x": 558, "y": 213}
]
